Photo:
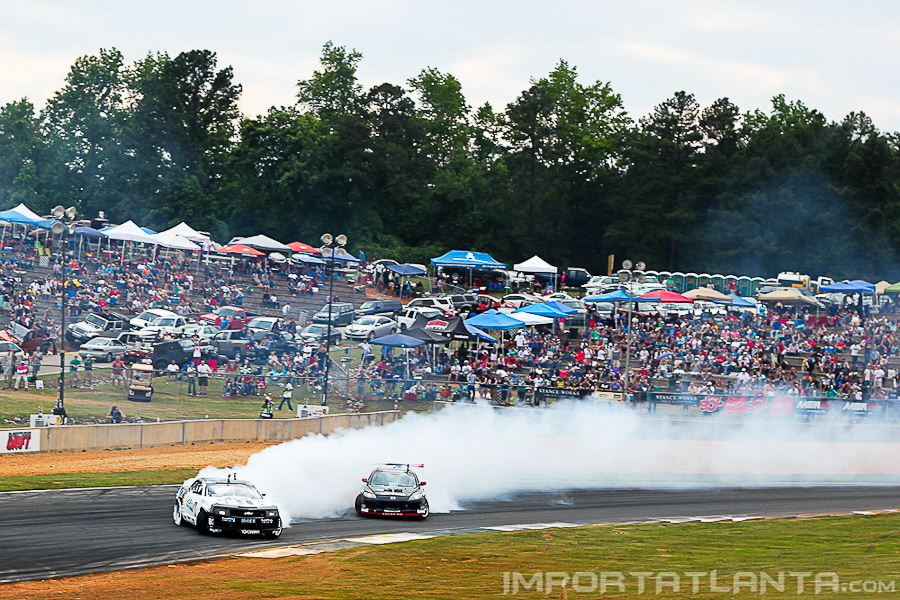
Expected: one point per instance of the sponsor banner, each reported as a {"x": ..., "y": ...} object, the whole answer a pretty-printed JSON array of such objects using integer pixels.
[
  {"x": 662, "y": 398},
  {"x": 779, "y": 405},
  {"x": 20, "y": 440},
  {"x": 553, "y": 392}
]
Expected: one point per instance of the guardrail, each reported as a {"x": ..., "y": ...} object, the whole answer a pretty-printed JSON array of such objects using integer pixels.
[{"x": 70, "y": 438}]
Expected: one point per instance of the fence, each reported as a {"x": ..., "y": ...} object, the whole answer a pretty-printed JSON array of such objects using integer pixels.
[{"x": 181, "y": 433}]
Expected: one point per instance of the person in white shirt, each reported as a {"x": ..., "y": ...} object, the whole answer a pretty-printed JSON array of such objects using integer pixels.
[
  {"x": 286, "y": 396},
  {"x": 203, "y": 372},
  {"x": 171, "y": 372}
]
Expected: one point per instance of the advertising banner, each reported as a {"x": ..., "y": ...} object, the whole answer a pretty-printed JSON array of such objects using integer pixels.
[{"x": 20, "y": 440}]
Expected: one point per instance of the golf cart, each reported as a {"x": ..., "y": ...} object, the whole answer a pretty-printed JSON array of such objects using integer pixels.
[{"x": 141, "y": 387}]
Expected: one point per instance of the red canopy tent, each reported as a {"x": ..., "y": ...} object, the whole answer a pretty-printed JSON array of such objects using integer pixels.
[
  {"x": 304, "y": 248},
  {"x": 664, "y": 296},
  {"x": 239, "y": 249}
]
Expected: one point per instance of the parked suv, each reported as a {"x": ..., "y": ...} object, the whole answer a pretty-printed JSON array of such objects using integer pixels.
[
  {"x": 464, "y": 302},
  {"x": 95, "y": 324},
  {"x": 379, "y": 307},
  {"x": 443, "y": 304},
  {"x": 342, "y": 313}
]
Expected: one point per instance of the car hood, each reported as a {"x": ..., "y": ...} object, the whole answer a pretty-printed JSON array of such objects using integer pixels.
[
  {"x": 393, "y": 490},
  {"x": 238, "y": 502}
]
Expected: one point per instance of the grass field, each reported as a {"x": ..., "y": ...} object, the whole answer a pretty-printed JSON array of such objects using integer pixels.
[
  {"x": 836, "y": 555},
  {"x": 81, "y": 480},
  {"x": 170, "y": 400}
]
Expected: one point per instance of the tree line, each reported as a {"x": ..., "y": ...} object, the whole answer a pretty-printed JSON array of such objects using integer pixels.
[{"x": 409, "y": 170}]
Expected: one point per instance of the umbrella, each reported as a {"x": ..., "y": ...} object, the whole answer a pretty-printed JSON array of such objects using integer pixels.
[
  {"x": 263, "y": 242},
  {"x": 616, "y": 296},
  {"x": 239, "y": 249},
  {"x": 708, "y": 294},
  {"x": 491, "y": 319},
  {"x": 664, "y": 296},
  {"x": 303, "y": 248},
  {"x": 398, "y": 340}
]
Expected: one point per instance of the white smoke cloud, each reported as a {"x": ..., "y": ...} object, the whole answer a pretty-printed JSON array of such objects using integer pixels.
[{"x": 480, "y": 453}]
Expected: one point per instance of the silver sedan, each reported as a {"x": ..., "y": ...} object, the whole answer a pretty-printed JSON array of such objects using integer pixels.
[
  {"x": 370, "y": 327},
  {"x": 102, "y": 349}
]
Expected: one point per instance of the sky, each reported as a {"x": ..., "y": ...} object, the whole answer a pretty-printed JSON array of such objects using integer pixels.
[{"x": 836, "y": 57}]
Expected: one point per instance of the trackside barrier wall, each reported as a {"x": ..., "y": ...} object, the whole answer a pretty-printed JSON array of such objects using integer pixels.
[{"x": 70, "y": 438}]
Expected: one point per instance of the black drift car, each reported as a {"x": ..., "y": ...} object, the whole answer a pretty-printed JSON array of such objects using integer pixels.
[{"x": 393, "y": 490}]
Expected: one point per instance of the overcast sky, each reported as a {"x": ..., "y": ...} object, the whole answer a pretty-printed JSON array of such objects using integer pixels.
[{"x": 836, "y": 57}]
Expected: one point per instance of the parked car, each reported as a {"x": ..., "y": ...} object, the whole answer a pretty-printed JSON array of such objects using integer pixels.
[
  {"x": 316, "y": 333},
  {"x": 264, "y": 323},
  {"x": 371, "y": 326},
  {"x": 264, "y": 343},
  {"x": 146, "y": 317},
  {"x": 204, "y": 332},
  {"x": 409, "y": 316},
  {"x": 181, "y": 351},
  {"x": 580, "y": 318},
  {"x": 379, "y": 307},
  {"x": 102, "y": 348},
  {"x": 6, "y": 346},
  {"x": 95, "y": 324},
  {"x": 520, "y": 299},
  {"x": 486, "y": 302},
  {"x": 463, "y": 302},
  {"x": 30, "y": 339},
  {"x": 443, "y": 303},
  {"x": 166, "y": 324},
  {"x": 231, "y": 343},
  {"x": 342, "y": 313},
  {"x": 576, "y": 277}
]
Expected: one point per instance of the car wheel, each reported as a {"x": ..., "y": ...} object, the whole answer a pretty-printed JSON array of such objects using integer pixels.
[
  {"x": 238, "y": 356},
  {"x": 425, "y": 514},
  {"x": 176, "y": 515},
  {"x": 358, "y": 504},
  {"x": 203, "y": 523},
  {"x": 370, "y": 337},
  {"x": 402, "y": 326},
  {"x": 109, "y": 357},
  {"x": 275, "y": 533}
]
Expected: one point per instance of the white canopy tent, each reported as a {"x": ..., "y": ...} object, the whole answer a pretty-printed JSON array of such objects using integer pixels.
[
  {"x": 535, "y": 264},
  {"x": 167, "y": 239},
  {"x": 187, "y": 232},
  {"x": 262, "y": 242},
  {"x": 129, "y": 232}
]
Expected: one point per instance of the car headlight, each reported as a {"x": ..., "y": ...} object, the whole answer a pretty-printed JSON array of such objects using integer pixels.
[
  {"x": 272, "y": 513},
  {"x": 416, "y": 496},
  {"x": 368, "y": 494},
  {"x": 220, "y": 511}
]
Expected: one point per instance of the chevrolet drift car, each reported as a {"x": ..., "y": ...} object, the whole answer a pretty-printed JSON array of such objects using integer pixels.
[
  {"x": 393, "y": 490},
  {"x": 225, "y": 505}
]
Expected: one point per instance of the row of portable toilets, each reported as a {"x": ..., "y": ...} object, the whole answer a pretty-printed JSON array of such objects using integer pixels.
[{"x": 727, "y": 284}]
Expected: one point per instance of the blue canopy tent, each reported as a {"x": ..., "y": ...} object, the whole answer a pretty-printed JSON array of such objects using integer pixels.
[
  {"x": 398, "y": 340},
  {"x": 90, "y": 234},
  {"x": 616, "y": 296},
  {"x": 406, "y": 270},
  {"x": 544, "y": 310},
  {"x": 466, "y": 259},
  {"x": 849, "y": 287},
  {"x": 309, "y": 260},
  {"x": 740, "y": 302},
  {"x": 568, "y": 310},
  {"x": 479, "y": 334},
  {"x": 491, "y": 319}
]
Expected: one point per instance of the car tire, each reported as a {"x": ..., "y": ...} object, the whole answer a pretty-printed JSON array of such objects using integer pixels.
[
  {"x": 427, "y": 512},
  {"x": 275, "y": 533},
  {"x": 402, "y": 326},
  {"x": 370, "y": 337},
  {"x": 203, "y": 523},
  {"x": 109, "y": 357},
  {"x": 358, "y": 504},
  {"x": 238, "y": 356},
  {"x": 176, "y": 515}
]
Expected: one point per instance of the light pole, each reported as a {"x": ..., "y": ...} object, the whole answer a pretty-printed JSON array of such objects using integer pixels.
[
  {"x": 333, "y": 244},
  {"x": 62, "y": 226},
  {"x": 628, "y": 277}
]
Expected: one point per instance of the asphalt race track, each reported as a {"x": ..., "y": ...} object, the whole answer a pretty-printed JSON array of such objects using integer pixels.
[{"x": 64, "y": 533}]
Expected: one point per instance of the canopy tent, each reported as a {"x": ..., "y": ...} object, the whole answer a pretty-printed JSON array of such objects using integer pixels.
[
  {"x": 893, "y": 289},
  {"x": 398, "y": 340},
  {"x": 535, "y": 264},
  {"x": 308, "y": 260},
  {"x": 530, "y": 319},
  {"x": 881, "y": 286},
  {"x": 239, "y": 249},
  {"x": 788, "y": 296},
  {"x": 89, "y": 232},
  {"x": 262, "y": 242},
  {"x": 708, "y": 294},
  {"x": 453, "y": 327},
  {"x": 168, "y": 239},
  {"x": 405, "y": 270},
  {"x": 467, "y": 260},
  {"x": 479, "y": 334},
  {"x": 740, "y": 302},
  {"x": 663, "y": 296},
  {"x": 187, "y": 232},
  {"x": 22, "y": 215},
  {"x": 616, "y": 296},
  {"x": 429, "y": 337},
  {"x": 568, "y": 310},
  {"x": 303, "y": 248},
  {"x": 849, "y": 287},
  {"x": 543, "y": 310},
  {"x": 129, "y": 232},
  {"x": 491, "y": 319}
]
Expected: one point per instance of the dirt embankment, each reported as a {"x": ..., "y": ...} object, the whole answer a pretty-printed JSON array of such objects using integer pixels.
[{"x": 138, "y": 459}]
